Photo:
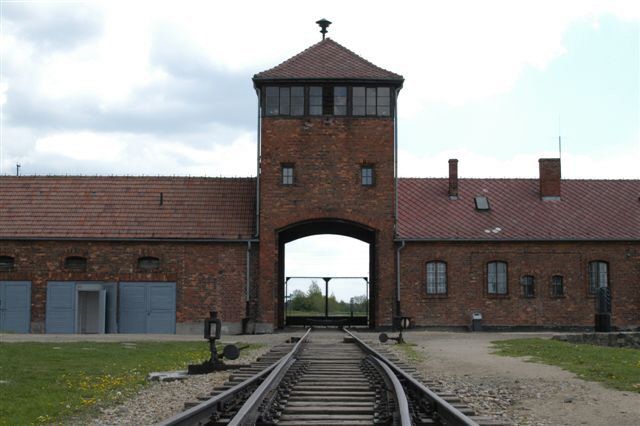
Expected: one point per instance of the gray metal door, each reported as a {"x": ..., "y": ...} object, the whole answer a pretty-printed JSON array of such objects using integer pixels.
[
  {"x": 61, "y": 307},
  {"x": 15, "y": 306},
  {"x": 147, "y": 307}
]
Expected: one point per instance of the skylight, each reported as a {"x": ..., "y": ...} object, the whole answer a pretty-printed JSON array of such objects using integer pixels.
[{"x": 482, "y": 203}]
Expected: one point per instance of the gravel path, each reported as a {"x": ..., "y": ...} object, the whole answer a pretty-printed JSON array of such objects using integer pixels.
[{"x": 525, "y": 393}]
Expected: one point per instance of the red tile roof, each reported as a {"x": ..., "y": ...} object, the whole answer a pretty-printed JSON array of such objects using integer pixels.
[
  {"x": 126, "y": 207},
  {"x": 588, "y": 210},
  {"x": 327, "y": 60}
]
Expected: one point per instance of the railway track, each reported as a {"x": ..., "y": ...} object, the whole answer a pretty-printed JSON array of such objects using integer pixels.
[{"x": 328, "y": 378}]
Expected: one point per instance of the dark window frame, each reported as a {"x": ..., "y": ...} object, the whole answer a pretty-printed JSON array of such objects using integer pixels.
[
  {"x": 328, "y": 98},
  {"x": 148, "y": 263},
  {"x": 436, "y": 285},
  {"x": 287, "y": 179},
  {"x": 528, "y": 283},
  {"x": 289, "y": 104},
  {"x": 592, "y": 287},
  {"x": 75, "y": 263},
  {"x": 496, "y": 292},
  {"x": 554, "y": 286},
  {"x": 7, "y": 263},
  {"x": 367, "y": 180}
]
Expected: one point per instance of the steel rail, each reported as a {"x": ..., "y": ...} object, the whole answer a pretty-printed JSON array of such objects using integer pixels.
[
  {"x": 248, "y": 413},
  {"x": 201, "y": 413},
  {"x": 401, "y": 398},
  {"x": 445, "y": 411}
]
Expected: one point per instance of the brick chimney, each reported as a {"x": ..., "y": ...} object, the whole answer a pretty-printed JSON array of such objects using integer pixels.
[
  {"x": 453, "y": 179},
  {"x": 549, "y": 178}
]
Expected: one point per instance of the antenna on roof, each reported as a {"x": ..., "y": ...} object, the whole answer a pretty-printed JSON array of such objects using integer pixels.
[
  {"x": 559, "y": 139},
  {"x": 323, "y": 24}
]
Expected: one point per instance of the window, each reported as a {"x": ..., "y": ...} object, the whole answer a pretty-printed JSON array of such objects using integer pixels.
[
  {"x": 371, "y": 101},
  {"x": 315, "y": 100},
  {"x": 528, "y": 289},
  {"x": 482, "y": 203},
  {"x": 497, "y": 278},
  {"x": 340, "y": 100},
  {"x": 284, "y": 100},
  {"x": 366, "y": 175},
  {"x": 598, "y": 276},
  {"x": 287, "y": 174},
  {"x": 557, "y": 286},
  {"x": 6, "y": 263},
  {"x": 436, "y": 277},
  {"x": 148, "y": 263},
  {"x": 76, "y": 263}
]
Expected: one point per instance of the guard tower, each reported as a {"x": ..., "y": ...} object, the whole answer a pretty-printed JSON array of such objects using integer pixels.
[{"x": 326, "y": 165}]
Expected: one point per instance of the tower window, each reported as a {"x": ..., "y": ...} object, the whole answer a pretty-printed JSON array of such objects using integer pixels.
[
  {"x": 284, "y": 100},
  {"x": 366, "y": 175},
  {"x": 287, "y": 174},
  {"x": 340, "y": 100},
  {"x": 371, "y": 101},
  {"x": 315, "y": 100}
]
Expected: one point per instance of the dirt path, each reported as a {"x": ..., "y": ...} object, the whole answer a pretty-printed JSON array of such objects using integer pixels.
[{"x": 536, "y": 394}]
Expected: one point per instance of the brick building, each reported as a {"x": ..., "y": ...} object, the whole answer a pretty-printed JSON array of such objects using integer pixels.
[{"x": 143, "y": 254}]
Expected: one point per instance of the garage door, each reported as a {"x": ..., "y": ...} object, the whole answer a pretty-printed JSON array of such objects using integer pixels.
[
  {"x": 147, "y": 307},
  {"x": 15, "y": 306},
  {"x": 61, "y": 307}
]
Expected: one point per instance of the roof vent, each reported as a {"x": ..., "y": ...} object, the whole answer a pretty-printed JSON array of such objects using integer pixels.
[{"x": 482, "y": 203}]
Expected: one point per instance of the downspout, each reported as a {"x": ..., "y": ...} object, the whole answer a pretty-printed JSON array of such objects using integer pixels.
[
  {"x": 248, "y": 275},
  {"x": 395, "y": 164},
  {"x": 398, "y": 311},
  {"x": 258, "y": 151}
]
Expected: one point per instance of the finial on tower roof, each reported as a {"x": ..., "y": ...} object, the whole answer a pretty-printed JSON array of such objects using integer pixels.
[{"x": 323, "y": 24}]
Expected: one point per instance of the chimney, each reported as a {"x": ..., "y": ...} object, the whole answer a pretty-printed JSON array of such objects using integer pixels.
[
  {"x": 453, "y": 179},
  {"x": 549, "y": 178}
]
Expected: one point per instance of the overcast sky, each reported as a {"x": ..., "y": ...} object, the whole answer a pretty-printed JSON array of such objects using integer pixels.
[{"x": 164, "y": 88}]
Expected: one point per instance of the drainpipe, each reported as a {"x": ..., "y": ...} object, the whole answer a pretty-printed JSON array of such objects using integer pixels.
[
  {"x": 395, "y": 163},
  {"x": 398, "y": 277},
  {"x": 258, "y": 142}
]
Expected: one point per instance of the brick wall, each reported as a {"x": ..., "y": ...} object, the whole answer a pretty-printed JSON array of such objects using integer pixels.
[
  {"x": 466, "y": 276},
  {"x": 327, "y": 154},
  {"x": 207, "y": 275}
]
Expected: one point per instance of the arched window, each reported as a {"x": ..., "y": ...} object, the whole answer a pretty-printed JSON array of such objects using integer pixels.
[
  {"x": 598, "y": 275},
  {"x": 148, "y": 263},
  {"x": 76, "y": 263},
  {"x": 7, "y": 263},
  {"x": 557, "y": 286},
  {"x": 497, "y": 277},
  {"x": 436, "y": 277},
  {"x": 528, "y": 288}
]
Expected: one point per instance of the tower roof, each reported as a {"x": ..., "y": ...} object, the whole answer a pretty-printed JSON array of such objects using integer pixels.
[{"x": 327, "y": 60}]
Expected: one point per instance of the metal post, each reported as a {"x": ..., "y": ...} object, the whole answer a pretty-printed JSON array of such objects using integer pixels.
[{"x": 326, "y": 297}]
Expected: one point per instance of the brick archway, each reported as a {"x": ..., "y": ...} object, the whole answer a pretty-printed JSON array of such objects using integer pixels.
[{"x": 327, "y": 226}]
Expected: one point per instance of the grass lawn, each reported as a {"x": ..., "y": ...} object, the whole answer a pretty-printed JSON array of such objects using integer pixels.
[
  {"x": 47, "y": 382},
  {"x": 618, "y": 368}
]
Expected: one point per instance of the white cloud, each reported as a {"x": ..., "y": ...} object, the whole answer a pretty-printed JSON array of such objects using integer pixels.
[{"x": 82, "y": 146}]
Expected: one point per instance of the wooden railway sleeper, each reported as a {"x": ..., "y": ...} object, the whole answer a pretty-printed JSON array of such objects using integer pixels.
[
  {"x": 273, "y": 405},
  {"x": 384, "y": 406}
]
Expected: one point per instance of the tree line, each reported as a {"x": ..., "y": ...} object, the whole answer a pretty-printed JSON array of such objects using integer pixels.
[{"x": 312, "y": 302}]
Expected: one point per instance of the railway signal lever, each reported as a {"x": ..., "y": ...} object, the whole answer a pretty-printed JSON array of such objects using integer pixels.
[
  {"x": 229, "y": 352},
  {"x": 404, "y": 323}
]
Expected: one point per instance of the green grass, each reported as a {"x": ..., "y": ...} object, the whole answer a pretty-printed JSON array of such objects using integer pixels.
[
  {"x": 618, "y": 368},
  {"x": 409, "y": 352},
  {"x": 48, "y": 382}
]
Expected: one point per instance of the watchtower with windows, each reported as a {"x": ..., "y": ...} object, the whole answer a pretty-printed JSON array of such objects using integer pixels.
[{"x": 327, "y": 164}]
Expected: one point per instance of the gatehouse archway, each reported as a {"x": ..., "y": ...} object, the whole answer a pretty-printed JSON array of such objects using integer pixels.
[{"x": 334, "y": 227}]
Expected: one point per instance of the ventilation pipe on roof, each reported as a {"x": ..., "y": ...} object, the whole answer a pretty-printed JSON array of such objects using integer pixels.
[
  {"x": 549, "y": 178},
  {"x": 453, "y": 179}
]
